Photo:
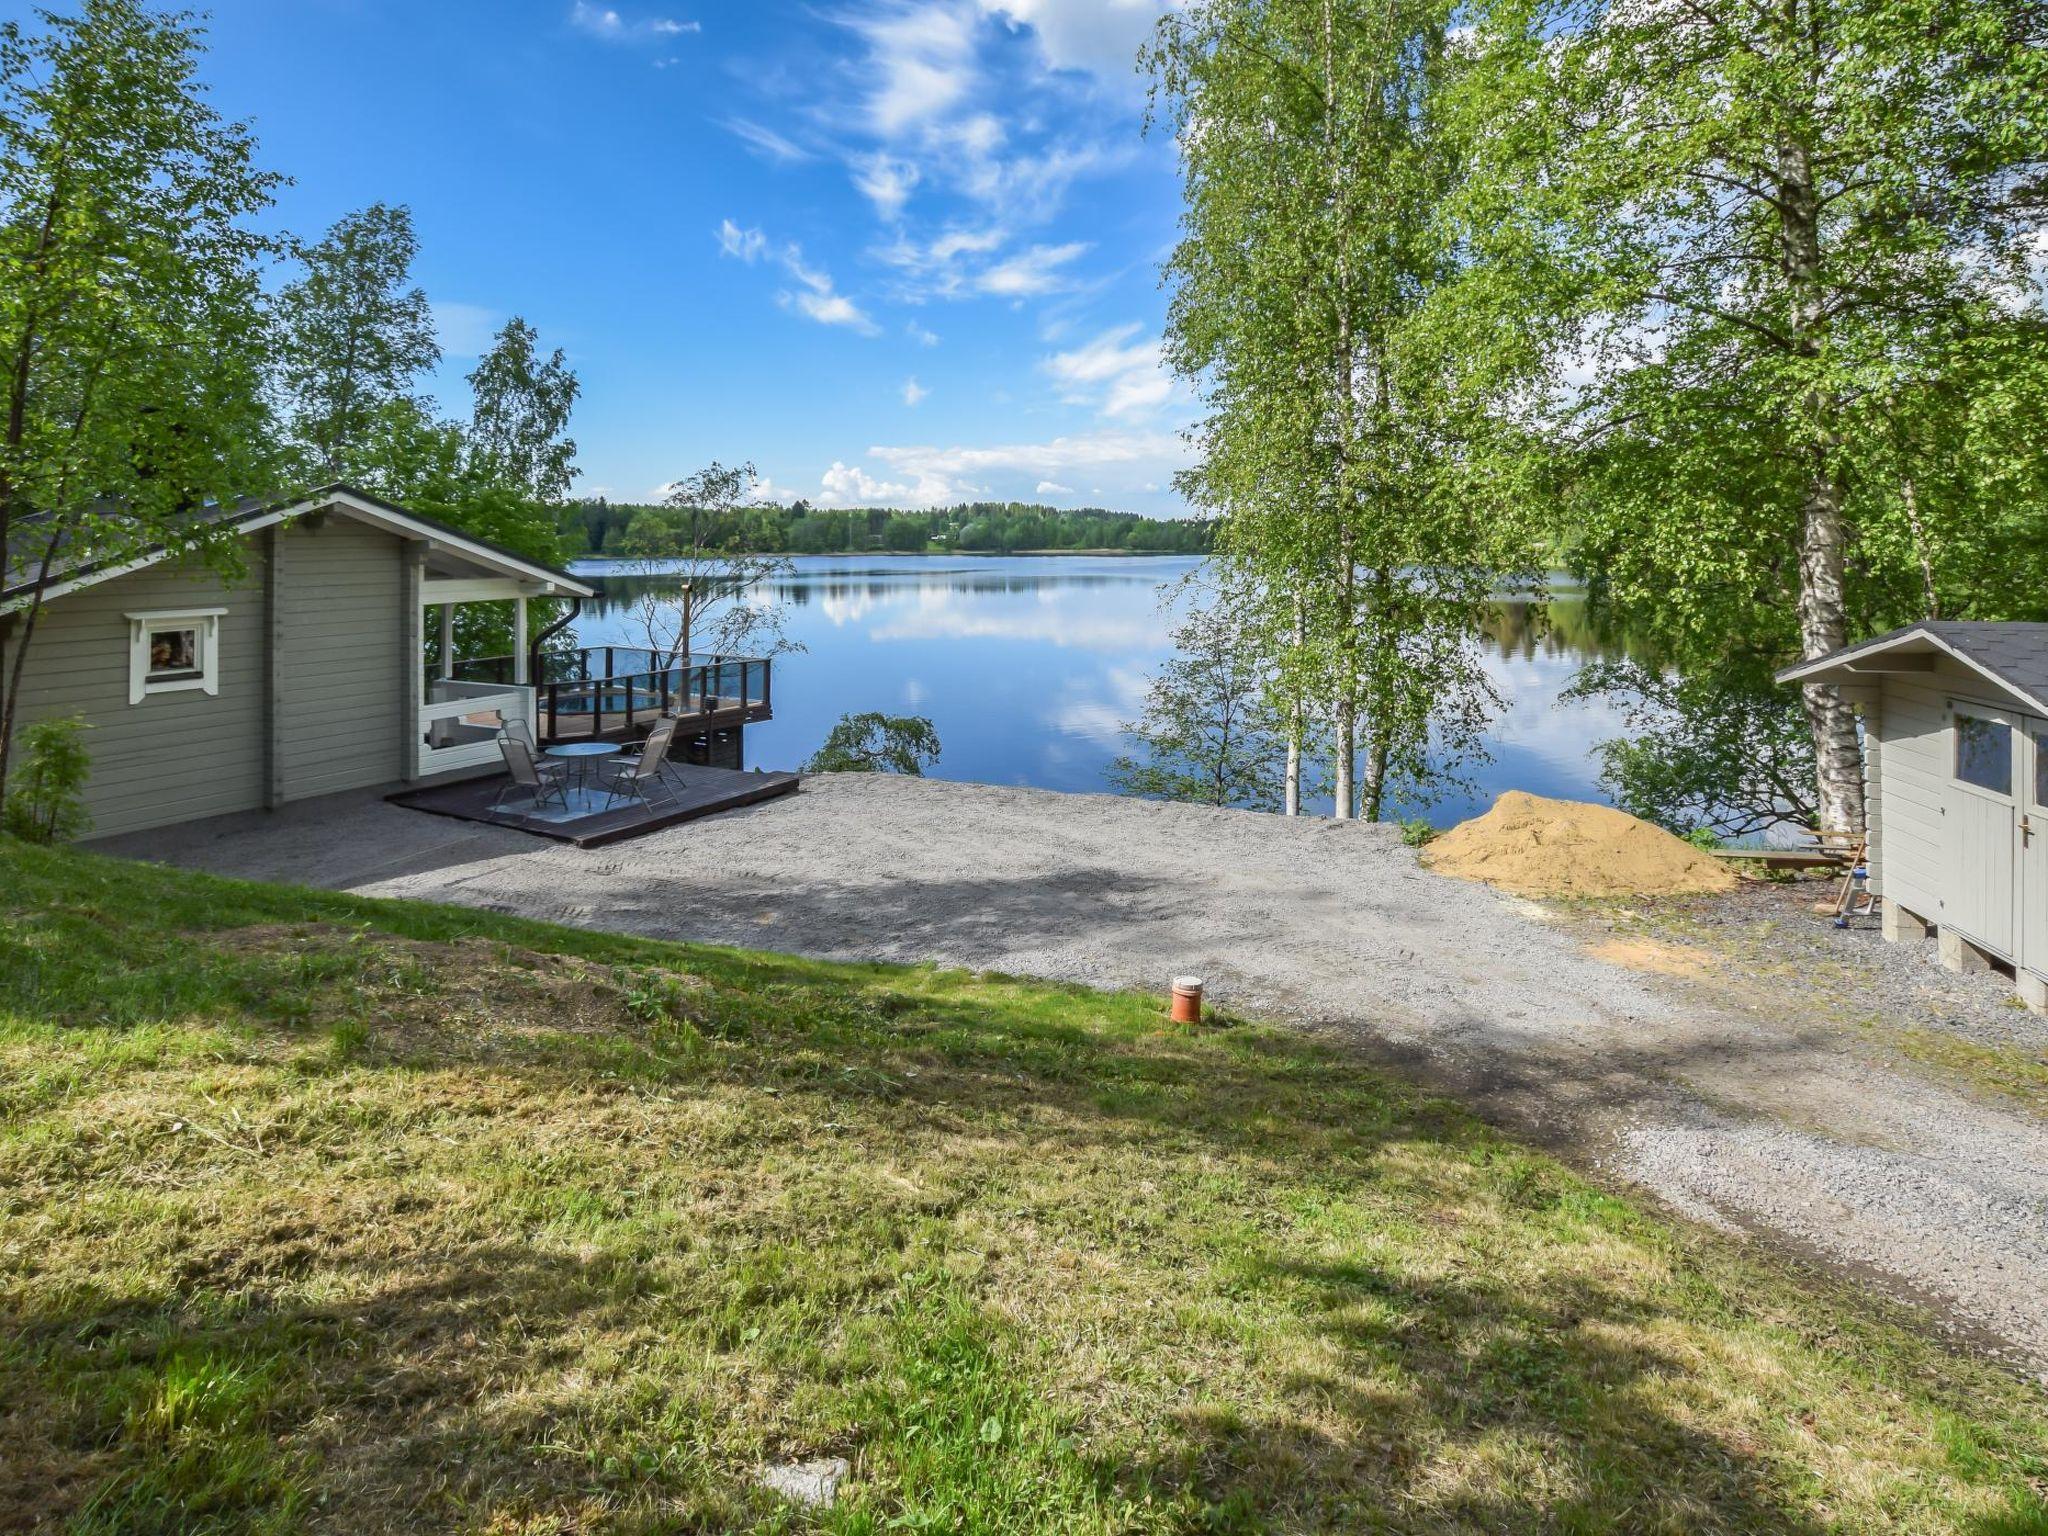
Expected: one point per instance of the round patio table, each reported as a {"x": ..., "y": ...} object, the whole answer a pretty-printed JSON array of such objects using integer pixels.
[{"x": 580, "y": 755}]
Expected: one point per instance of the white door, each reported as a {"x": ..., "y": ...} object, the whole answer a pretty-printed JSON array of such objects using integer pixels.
[
  {"x": 1982, "y": 809},
  {"x": 2033, "y": 847}
]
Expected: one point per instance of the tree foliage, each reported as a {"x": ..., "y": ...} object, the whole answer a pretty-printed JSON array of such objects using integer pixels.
[
  {"x": 519, "y": 427},
  {"x": 354, "y": 335},
  {"x": 628, "y": 530},
  {"x": 709, "y": 573},
  {"x": 872, "y": 742},
  {"x": 131, "y": 332},
  {"x": 1209, "y": 733},
  {"x": 1337, "y": 450},
  {"x": 1776, "y": 256},
  {"x": 1723, "y": 748},
  {"x": 46, "y": 803}
]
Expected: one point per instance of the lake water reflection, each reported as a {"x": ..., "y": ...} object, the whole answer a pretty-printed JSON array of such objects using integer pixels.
[{"x": 1029, "y": 666}]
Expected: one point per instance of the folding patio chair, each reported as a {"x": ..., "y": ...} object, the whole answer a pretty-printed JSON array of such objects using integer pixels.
[
  {"x": 539, "y": 777},
  {"x": 632, "y": 775}
]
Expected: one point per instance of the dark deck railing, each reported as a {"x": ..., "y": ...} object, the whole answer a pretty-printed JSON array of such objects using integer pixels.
[{"x": 605, "y": 689}]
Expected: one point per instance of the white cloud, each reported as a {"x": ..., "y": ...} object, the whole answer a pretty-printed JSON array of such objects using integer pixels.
[
  {"x": 602, "y": 21},
  {"x": 1116, "y": 372},
  {"x": 1052, "y": 488},
  {"x": 926, "y": 476},
  {"x": 1099, "y": 37},
  {"x": 815, "y": 297},
  {"x": 921, "y": 335},
  {"x": 913, "y": 392},
  {"x": 1047, "y": 459},
  {"x": 920, "y": 62},
  {"x": 746, "y": 244},
  {"x": 465, "y": 330},
  {"x": 1030, "y": 272},
  {"x": 943, "y": 101},
  {"x": 886, "y": 182},
  {"x": 766, "y": 142},
  {"x": 944, "y": 266},
  {"x": 848, "y": 485}
]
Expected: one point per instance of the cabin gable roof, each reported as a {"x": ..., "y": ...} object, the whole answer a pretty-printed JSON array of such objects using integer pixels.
[{"x": 23, "y": 574}]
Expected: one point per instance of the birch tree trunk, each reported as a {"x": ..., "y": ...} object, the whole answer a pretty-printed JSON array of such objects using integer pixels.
[
  {"x": 1376, "y": 759},
  {"x": 1344, "y": 375},
  {"x": 1297, "y": 725},
  {"x": 1837, "y": 751}
]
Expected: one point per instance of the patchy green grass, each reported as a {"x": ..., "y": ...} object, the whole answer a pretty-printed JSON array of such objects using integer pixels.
[
  {"x": 2006, "y": 1070},
  {"x": 322, "y": 1213}
]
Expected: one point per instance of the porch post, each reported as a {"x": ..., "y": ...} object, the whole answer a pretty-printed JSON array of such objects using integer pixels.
[
  {"x": 412, "y": 572},
  {"x": 447, "y": 640},
  {"x": 519, "y": 640}
]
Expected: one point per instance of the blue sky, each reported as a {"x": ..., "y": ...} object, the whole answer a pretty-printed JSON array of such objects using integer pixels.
[{"x": 890, "y": 250}]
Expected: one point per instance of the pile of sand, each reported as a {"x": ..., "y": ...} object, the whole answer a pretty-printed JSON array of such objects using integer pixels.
[{"x": 1538, "y": 847}]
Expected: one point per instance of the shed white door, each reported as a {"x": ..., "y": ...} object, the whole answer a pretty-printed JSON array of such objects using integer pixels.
[
  {"x": 1983, "y": 813},
  {"x": 2033, "y": 847}
]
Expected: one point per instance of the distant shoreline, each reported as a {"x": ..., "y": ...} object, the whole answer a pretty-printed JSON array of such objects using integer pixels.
[{"x": 909, "y": 554}]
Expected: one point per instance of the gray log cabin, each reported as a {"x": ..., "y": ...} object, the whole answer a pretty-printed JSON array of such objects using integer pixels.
[
  {"x": 305, "y": 676},
  {"x": 1956, "y": 751}
]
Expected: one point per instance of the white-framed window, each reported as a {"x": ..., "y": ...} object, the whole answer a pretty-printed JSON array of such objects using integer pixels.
[
  {"x": 172, "y": 650},
  {"x": 1983, "y": 751}
]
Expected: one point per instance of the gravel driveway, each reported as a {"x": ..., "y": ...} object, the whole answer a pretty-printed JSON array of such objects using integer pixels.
[{"x": 1741, "y": 1112}]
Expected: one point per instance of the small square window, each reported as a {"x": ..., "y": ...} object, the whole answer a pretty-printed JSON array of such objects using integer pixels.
[
  {"x": 1984, "y": 753},
  {"x": 173, "y": 652}
]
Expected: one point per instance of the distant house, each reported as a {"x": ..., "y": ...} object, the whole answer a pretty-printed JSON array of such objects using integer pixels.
[
  {"x": 305, "y": 676},
  {"x": 1956, "y": 743}
]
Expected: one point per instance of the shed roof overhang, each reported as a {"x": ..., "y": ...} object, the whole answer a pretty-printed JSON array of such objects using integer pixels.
[{"x": 1915, "y": 650}]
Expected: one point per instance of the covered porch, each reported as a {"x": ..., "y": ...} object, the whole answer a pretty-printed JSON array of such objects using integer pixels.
[{"x": 458, "y": 720}]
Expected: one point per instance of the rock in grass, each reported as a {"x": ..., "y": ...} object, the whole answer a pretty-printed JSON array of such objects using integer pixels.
[{"x": 813, "y": 1484}]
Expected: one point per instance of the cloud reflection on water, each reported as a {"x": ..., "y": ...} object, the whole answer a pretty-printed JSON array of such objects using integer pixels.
[{"x": 1029, "y": 666}]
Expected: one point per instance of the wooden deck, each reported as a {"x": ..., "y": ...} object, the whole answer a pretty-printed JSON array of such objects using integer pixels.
[{"x": 701, "y": 792}]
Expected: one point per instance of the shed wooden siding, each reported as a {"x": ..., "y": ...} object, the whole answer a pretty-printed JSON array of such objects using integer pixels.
[
  {"x": 174, "y": 756},
  {"x": 1913, "y": 769},
  {"x": 340, "y": 618},
  {"x": 313, "y": 669}
]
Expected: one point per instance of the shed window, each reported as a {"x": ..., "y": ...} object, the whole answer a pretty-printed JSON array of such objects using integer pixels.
[
  {"x": 1984, "y": 753},
  {"x": 2041, "y": 768},
  {"x": 170, "y": 652}
]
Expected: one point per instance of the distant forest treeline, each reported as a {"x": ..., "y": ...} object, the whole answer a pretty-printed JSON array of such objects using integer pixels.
[{"x": 624, "y": 531}]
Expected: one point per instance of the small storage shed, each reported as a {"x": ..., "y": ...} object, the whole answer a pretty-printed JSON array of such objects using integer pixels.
[{"x": 1956, "y": 753}]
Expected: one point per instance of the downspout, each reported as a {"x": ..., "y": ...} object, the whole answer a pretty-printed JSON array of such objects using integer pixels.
[{"x": 539, "y": 641}]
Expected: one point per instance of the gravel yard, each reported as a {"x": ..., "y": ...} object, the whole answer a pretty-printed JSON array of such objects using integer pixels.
[
  {"x": 1903, "y": 983},
  {"x": 1725, "y": 1065}
]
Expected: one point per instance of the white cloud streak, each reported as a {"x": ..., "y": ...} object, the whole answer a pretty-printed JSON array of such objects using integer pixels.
[
  {"x": 610, "y": 26},
  {"x": 815, "y": 297},
  {"x": 1116, "y": 372}
]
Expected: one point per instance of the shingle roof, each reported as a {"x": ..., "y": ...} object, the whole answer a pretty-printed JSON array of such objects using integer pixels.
[
  {"x": 2015, "y": 654},
  {"x": 28, "y": 543},
  {"x": 21, "y": 561}
]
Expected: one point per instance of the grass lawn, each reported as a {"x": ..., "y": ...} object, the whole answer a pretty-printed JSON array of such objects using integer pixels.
[{"x": 321, "y": 1213}]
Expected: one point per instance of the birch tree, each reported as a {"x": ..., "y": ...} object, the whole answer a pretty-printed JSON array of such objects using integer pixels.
[
  {"x": 354, "y": 335},
  {"x": 1793, "y": 239},
  {"x": 1210, "y": 733},
  {"x": 711, "y": 585},
  {"x": 1315, "y": 164},
  {"x": 131, "y": 332},
  {"x": 519, "y": 428}
]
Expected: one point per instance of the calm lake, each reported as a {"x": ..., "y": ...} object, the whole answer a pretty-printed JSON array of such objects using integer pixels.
[{"x": 1029, "y": 665}]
